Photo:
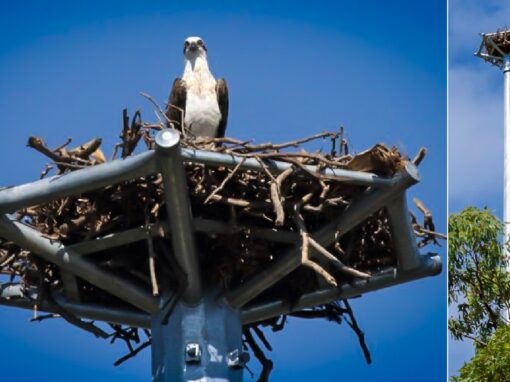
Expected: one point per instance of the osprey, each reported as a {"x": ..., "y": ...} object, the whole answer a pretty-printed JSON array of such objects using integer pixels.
[{"x": 202, "y": 98}]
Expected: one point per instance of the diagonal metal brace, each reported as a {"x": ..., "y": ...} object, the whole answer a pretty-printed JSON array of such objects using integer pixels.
[
  {"x": 430, "y": 265},
  {"x": 402, "y": 233},
  {"x": 56, "y": 253},
  {"x": 368, "y": 203}
]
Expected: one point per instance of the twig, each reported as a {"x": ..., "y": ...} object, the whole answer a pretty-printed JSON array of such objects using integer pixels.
[
  {"x": 267, "y": 364},
  {"x": 132, "y": 353},
  {"x": 305, "y": 254},
  {"x": 224, "y": 182},
  {"x": 262, "y": 337},
  {"x": 433, "y": 233},
  {"x": 158, "y": 108},
  {"x": 336, "y": 262},
  {"x": 272, "y": 146},
  {"x": 85, "y": 150},
  {"x": 275, "y": 191},
  {"x": 355, "y": 327},
  {"x": 419, "y": 156},
  {"x": 427, "y": 215}
]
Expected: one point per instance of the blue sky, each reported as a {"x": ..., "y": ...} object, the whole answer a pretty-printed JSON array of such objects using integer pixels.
[
  {"x": 293, "y": 69},
  {"x": 475, "y": 148}
]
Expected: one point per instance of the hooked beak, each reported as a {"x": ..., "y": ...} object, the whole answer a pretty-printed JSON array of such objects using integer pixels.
[{"x": 193, "y": 47}]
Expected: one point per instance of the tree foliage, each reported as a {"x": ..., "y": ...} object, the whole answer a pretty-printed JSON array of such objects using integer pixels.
[
  {"x": 491, "y": 363},
  {"x": 479, "y": 284}
]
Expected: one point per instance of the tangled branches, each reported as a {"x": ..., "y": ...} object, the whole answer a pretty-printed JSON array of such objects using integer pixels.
[{"x": 258, "y": 215}]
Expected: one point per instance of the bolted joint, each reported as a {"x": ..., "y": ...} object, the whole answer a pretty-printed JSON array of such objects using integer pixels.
[
  {"x": 237, "y": 359},
  {"x": 506, "y": 63},
  {"x": 167, "y": 140},
  {"x": 192, "y": 353}
]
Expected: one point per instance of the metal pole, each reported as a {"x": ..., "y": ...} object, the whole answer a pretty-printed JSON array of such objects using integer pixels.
[
  {"x": 16, "y": 296},
  {"x": 179, "y": 211},
  {"x": 494, "y": 53},
  {"x": 76, "y": 182},
  {"x": 94, "y": 177},
  {"x": 202, "y": 339},
  {"x": 199, "y": 343},
  {"x": 220, "y": 159},
  {"x": 430, "y": 265},
  {"x": 506, "y": 194},
  {"x": 402, "y": 233}
]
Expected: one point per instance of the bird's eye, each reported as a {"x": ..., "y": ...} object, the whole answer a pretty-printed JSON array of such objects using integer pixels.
[
  {"x": 200, "y": 42},
  {"x": 186, "y": 43}
]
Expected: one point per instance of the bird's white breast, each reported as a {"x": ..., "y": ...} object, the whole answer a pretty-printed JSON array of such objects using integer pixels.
[{"x": 202, "y": 111}]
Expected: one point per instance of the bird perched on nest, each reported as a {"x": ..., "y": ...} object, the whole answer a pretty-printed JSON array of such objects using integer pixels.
[{"x": 197, "y": 99}]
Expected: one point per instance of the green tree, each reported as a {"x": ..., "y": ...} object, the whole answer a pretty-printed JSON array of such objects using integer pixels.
[
  {"x": 478, "y": 289},
  {"x": 491, "y": 362}
]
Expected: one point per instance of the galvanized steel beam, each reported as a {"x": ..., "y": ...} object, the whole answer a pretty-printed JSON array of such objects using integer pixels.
[
  {"x": 56, "y": 253},
  {"x": 114, "y": 240},
  {"x": 179, "y": 211},
  {"x": 199, "y": 343},
  {"x": 71, "y": 288},
  {"x": 94, "y": 312},
  {"x": 94, "y": 177},
  {"x": 365, "y": 205},
  {"x": 229, "y": 160},
  {"x": 76, "y": 182},
  {"x": 209, "y": 226},
  {"x": 430, "y": 266},
  {"x": 402, "y": 234}
]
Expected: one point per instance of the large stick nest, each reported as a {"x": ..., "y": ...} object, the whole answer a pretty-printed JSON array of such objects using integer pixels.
[{"x": 293, "y": 203}]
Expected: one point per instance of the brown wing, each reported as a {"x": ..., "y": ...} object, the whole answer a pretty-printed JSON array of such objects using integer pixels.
[
  {"x": 222, "y": 94},
  {"x": 176, "y": 108}
]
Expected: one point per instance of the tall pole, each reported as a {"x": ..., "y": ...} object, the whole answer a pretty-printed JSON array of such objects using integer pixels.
[
  {"x": 506, "y": 195},
  {"x": 495, "y": 49},
  {"x": 199, "y": 339}
]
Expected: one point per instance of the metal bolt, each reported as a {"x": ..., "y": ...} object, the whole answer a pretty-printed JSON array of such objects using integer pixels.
[
  {"x": 193, "y": 353},
  {"x": 237, "y": 359}
]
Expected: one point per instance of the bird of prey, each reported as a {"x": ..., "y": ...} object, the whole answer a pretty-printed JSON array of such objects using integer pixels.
[{"x": 198, "y": 99}]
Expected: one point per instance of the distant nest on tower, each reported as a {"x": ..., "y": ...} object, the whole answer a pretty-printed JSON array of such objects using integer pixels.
[{"x": 495, "y": 46}]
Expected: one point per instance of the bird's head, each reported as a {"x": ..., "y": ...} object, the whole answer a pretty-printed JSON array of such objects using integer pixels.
[{"x": 194, "y": 47}]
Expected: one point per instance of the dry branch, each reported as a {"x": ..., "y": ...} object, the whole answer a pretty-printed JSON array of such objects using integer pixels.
[{"x": 247, "y": 202}]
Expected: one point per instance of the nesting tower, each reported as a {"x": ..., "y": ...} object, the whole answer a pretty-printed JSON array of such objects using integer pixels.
[{"x": 495, "y": 49}]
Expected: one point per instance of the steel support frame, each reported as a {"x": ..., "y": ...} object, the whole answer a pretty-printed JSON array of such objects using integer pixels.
[
  {"x": 56, "y": 253},
  {"x": 430, "y": 266},
  {"x": 202, "y": 339},
  {"x": 502, "y": 61},
  {"x": 91, "y": 178},
  {"x": 179, "y": 212},
  {"x": 359, "y": 210}
]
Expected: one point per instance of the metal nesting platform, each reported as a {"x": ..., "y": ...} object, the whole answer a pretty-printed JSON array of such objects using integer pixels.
[
  {"x": 495, "y": 48},
  {"x": 202, "y": 339}
]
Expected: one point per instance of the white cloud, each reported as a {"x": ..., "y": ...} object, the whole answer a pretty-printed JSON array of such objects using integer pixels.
[
  {"x": 475, "y": 117},
  {"x": 475, "y": 133},
  {"x": 470, "y": 17}
]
